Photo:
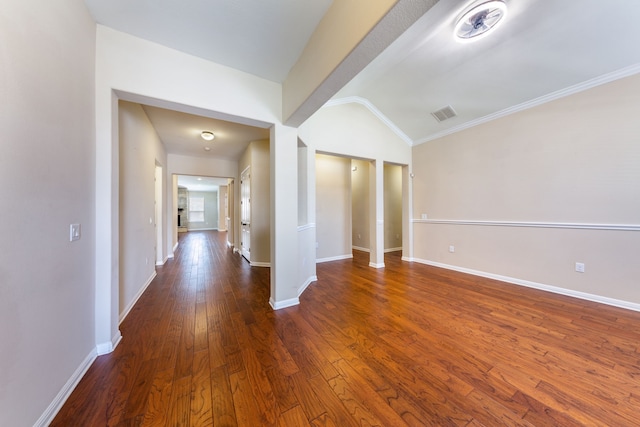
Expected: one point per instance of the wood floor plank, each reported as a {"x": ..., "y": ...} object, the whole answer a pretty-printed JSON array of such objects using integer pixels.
[
  {"x": 222, "y": 398},
  {"x": 408, "y": 344},
  {"x": 201, "y": 400}
]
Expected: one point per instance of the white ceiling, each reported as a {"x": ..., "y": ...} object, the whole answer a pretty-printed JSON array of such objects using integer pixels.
[
  {"x": 180, "y": 133},
  {"x": 260, "y": 37},
  {"x": 201, "y": 183},
  {"x": 543, "y": 47}
]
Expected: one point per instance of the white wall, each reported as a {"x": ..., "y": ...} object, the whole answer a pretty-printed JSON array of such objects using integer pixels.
[
  {"x": 555, "y": 170},
  {"x": 333, "y": 209},
  {"x": 47, "y": 52},
  {"x": 140, "y": 150},
  {"x": 136, "y": 70},
  {"x": 352, "y": 130}
]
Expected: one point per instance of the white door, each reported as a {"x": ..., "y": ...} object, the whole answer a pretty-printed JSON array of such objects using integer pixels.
[{"x": 245, "y": 213}]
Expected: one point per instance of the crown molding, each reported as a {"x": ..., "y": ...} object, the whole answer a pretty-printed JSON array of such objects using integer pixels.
[{"x": 571, "y": 90}]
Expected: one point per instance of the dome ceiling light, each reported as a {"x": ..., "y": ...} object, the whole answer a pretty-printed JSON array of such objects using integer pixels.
[
  {"x": 478, "y": 21},
  {"x": 207, "y": 135}
]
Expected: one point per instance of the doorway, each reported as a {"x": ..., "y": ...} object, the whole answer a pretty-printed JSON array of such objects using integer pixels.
[{"x": 245, "y": 213}]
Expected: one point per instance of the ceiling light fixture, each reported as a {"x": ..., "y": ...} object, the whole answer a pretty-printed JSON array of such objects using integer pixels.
[
  {"x": 479, "y": 20},
  {"x": 207, "y": 135}
]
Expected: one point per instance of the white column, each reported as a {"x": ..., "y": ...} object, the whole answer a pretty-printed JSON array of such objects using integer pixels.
[
  {"x": 107, "y": 223},
  {"x": 376, "y": 213},
  {"x": 284, "y": 216}
]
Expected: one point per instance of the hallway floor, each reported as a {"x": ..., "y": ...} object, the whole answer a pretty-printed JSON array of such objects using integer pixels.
[{"x": 405, "y": 345}]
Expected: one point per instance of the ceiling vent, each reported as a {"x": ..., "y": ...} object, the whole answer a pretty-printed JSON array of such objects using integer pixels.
[{"x": 444, "y": 113}]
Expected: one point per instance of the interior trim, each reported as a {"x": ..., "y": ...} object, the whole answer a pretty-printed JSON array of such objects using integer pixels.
[
  {"x": 334, "y": 258},
  {"x": 306, "y": 284},
  {"x": 549, "y": 288},
  {"x": 306, "y": 227},
  {"x": 135, "y": 299},
  {"x": 566, "y": 225},
  {"x": 588, "y": 84},
  {"x": 52, "y": 410},
  {"x": 283, "y": 304}
]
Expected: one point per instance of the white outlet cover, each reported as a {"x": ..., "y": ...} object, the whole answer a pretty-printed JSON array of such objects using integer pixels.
[{"x": 452, "y": 249}]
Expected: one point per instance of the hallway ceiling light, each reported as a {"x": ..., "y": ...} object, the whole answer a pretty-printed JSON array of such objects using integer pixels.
[
  {"x": 479, "y": 20},
  {"x": 207, "y": 135}
]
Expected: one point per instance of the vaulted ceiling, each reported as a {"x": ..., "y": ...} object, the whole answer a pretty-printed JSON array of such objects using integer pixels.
[{"x": 543, "y": 49}]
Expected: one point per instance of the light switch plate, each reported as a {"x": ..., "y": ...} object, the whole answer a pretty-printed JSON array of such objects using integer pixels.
[{"x": 74, "y": 232}]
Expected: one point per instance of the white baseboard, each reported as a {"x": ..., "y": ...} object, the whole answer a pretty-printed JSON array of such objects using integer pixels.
[
  {"x": 358, "y": 248},
  {"x": 541, "y": 286},
  {"x": 306, "y": 284},
  {"x": 173, "y": 251},
  {"x": 376, "y": 265},
  {"x": 109, "y": 346},
  {"x": 137, "y": 297},
  {"x": 283, "y": 304},
  {"x": 260, "y": 264},
  {"x": 392, "y": 250},
  {"x": 160, "y": 263},
  {"x": 52, "y": 410},
  {"x": 334, "y": 258}
]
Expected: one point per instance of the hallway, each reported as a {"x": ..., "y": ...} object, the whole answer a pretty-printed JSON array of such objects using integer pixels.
[{"x": 404, "y": 345}]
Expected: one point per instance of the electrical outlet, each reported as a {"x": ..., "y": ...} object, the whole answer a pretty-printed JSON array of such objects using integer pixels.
[
  {"x": 74, "y": 232},
  {"x": 452, "y": 249},
  {"x": 580, "y": 267},
  {"x": 423, "y": 216}
]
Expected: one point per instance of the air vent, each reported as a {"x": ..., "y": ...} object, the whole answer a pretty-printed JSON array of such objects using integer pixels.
[{"x": 444, "y": 113}]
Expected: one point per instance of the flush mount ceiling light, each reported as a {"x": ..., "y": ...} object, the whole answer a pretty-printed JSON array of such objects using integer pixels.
[
  {"x": 207, "y": 135},
  {"x": 478, "y": 21}
]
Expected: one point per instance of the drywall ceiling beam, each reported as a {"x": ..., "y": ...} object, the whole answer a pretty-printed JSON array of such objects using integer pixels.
[{"x": 351, "y": 34}]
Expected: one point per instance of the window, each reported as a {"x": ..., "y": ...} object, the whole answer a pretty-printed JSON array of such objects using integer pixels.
[{"x": 196, "y": 209}]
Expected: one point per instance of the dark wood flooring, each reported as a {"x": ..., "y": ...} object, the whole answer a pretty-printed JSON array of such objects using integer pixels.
[{"x": 405, "y": 345}]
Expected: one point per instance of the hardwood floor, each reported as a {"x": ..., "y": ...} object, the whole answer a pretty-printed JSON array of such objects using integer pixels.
[{"x": 405, "y": 345}]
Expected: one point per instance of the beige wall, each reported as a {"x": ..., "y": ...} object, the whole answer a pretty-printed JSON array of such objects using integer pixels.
[
  {"x": 360, "y": 205},
  {"x": 47, "y": 176},
  {"x": 571, "y": 161},
  {"x": 257, "y": 157},
  {"x": 333, "y": 207},
  {"x": 140, "y": 149},
  {"x": 392, "y": 207}
]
